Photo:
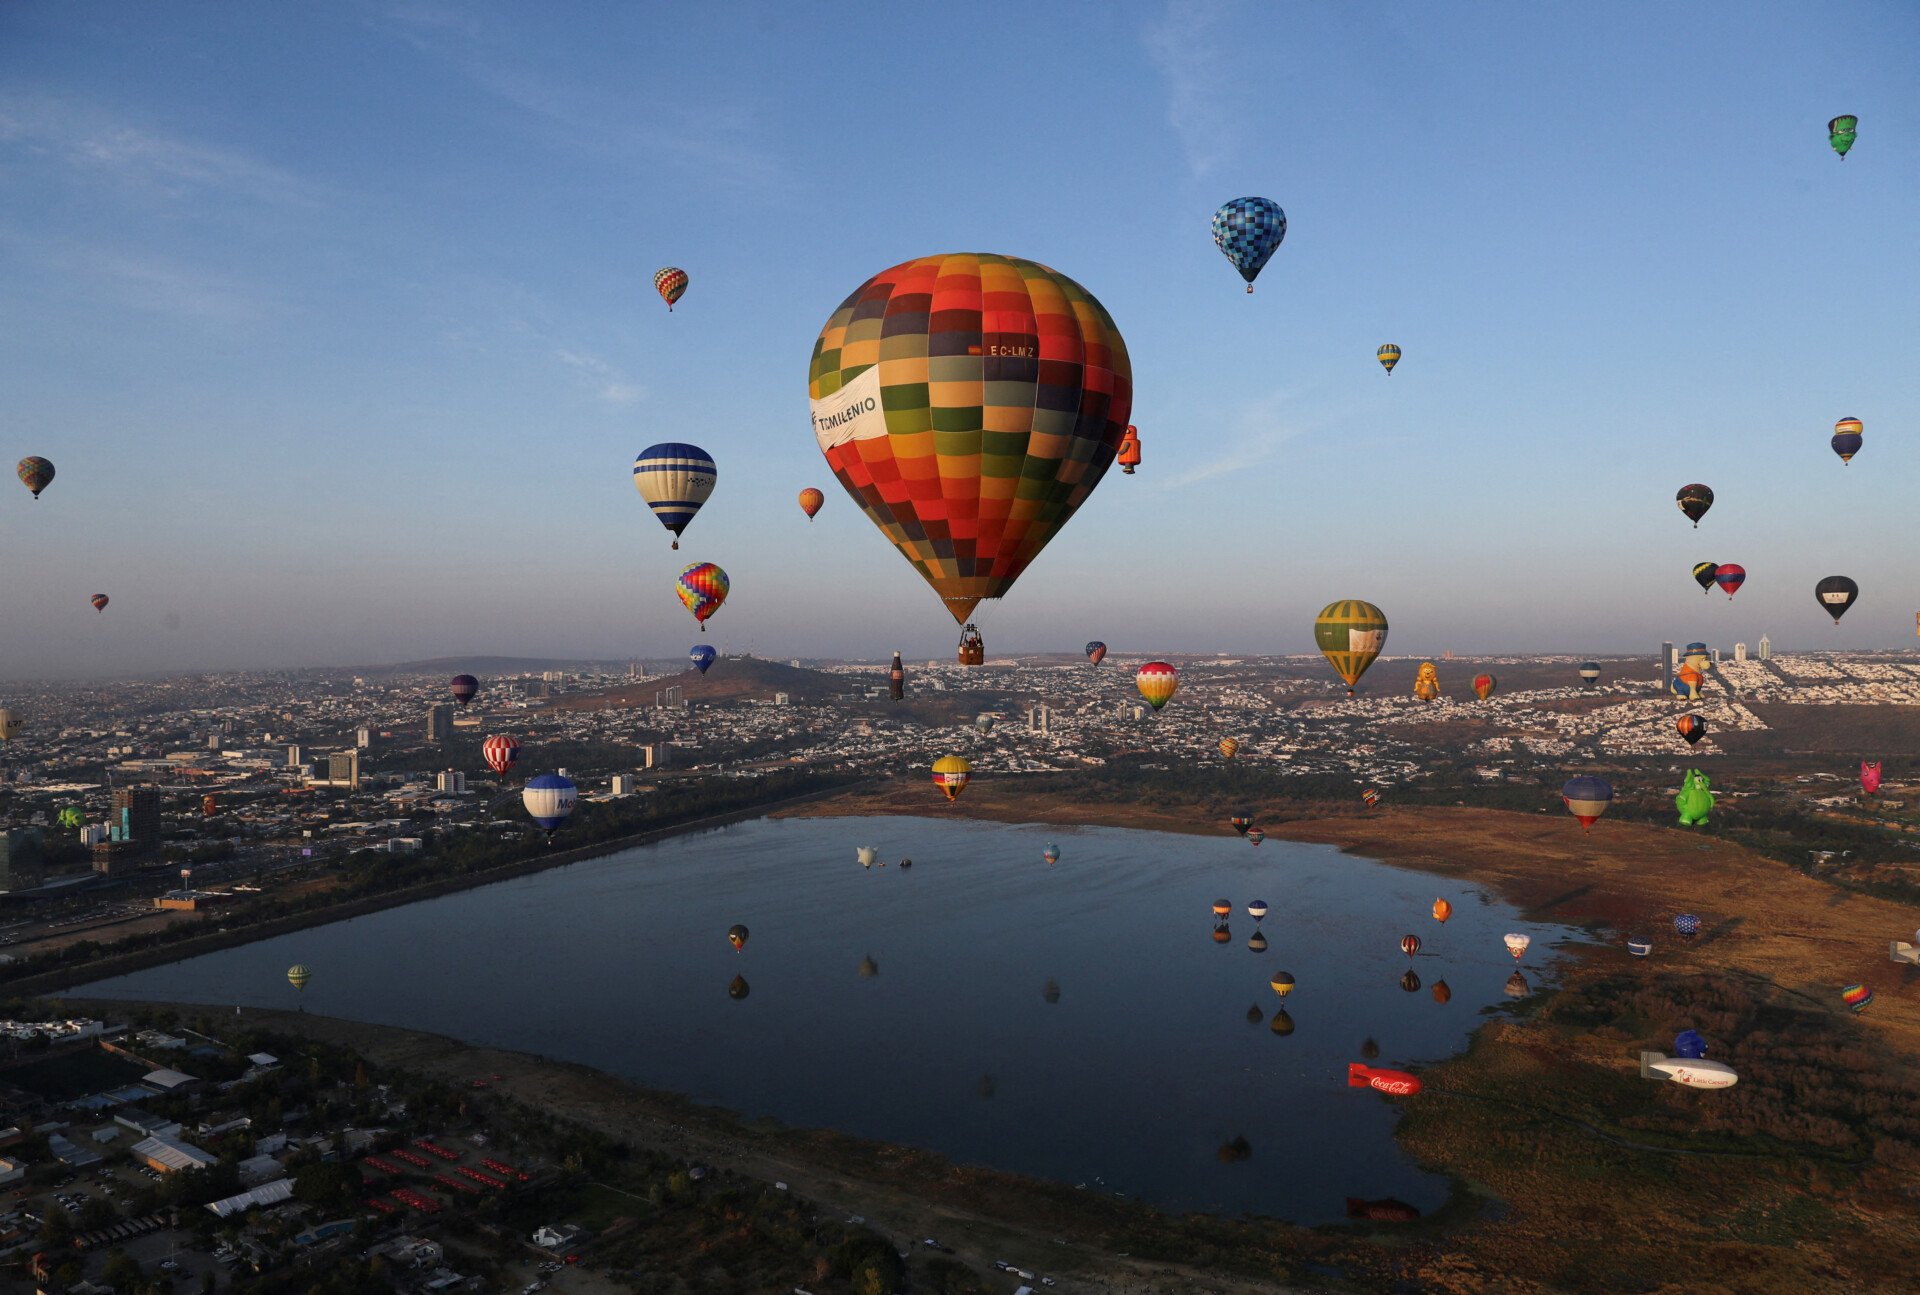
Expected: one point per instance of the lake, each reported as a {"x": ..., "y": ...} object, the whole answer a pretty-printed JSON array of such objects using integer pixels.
[{"x": 1083, "y": 1022}]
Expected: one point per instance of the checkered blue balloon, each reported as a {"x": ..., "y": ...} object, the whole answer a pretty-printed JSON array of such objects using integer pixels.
[{"x": 1249, "y": 230}]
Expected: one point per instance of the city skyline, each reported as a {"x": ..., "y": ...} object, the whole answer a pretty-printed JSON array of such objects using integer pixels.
[{"x": 340, "y": 330}]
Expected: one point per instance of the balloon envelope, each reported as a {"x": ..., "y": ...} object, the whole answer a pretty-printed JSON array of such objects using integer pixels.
[
  {"x": 1248, "y": 231},
  {"x": 1835, "y": 594},
  {"x": 99, "y": 602},
  {"x": 1703, "y": 574},
  {"x": 35, "y": 473},
  {"x": 1442, "y": 910},
  {"x": 1517, "y": 944},
  {"x": 671, "y": 283},
  {"x": 702, "y": 655},
  {"x": 1157, "y": 682},
  {"x": 1483, "y": 685},
  {"x": 463, "y": 687},
  {"x": 1841, "y": 132},
  {"x": 675, "y": 479},
  {"x": 549, "y": 799},
  {"x": 1388, "y": 355},
  {"x": 951, "y": 774},
  {"x": 702, "y": 587},
  {"x": 1730, "y": 576},
  {"x": 500, "y": 752},
  {"x": 1096, "y": 652},
  {"x": 811, "y": 501},
  {"x": 970, "y": 403},
  {"x": 298, "y": 975},
  {"x": 1689, "y": 1044},
  {"x": 1350, "y": 634},
  {"x": 1587, "y": 798},
  {"x": 1694, "y": 501}
]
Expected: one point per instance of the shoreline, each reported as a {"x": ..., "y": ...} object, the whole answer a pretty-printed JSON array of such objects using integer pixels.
[{"x": 58, "y": 983}]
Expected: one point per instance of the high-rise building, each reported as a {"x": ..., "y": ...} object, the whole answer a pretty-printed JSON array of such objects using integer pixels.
[
  {"x": 213, "y": 741},
  {"x": 656, "y": 755},
  {"x": 1716, "y": 656},
  {"x": 363, "y": 737},
  {"x": 783, "y": 699},
  {"x": 439, "y": 721},
  {"x": 136, "y": 818},
  {"x": 293, "y": 757},
  {"x": 1666, "y": 667},
  {"x": 343, "y": 768},
  {"x": 1766, "y": 648},
  {"x": 1739, "y": 653},
  {"x": 22, "y": 861},
  {"x": 623, "y": 784},
  {"x": 451, "y": 782}
]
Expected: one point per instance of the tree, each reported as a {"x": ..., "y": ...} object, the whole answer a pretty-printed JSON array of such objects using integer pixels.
[
  {"x": 56, "y": 1230},
  {"x": 122, "y": 1272},
  {"x": 328, "y": 1185},
  {"x": 98, "y": 1213}
]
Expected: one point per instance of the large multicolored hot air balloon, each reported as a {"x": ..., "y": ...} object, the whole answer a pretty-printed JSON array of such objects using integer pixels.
[
  {"x": 811, "y": 501},
  {"x": 1426, "y": 682},
  {"x": 675, "y": 479},
  {"x": 1350, "y": 634},
  {"x": 1858, "y": 997},
  {"x": 1703, "y": 574},
  {"x": 951, "y": 774},
  {"x": 1157, "y": 682},
  {"x": 1730, "y": 576},
  {"x": 702, "y": 588},
  {"x": 970, "y": 403},
  {"x": 1096, "y": 651},
  {"x": 500, "y": 752},
  {"x": 550, "y": 799},
  {"x": 671, "y": 283},
  {"x": 1870, "y": 777},
  {"x": 35, "y": 473},
  {"x": 1841, "y": 132},
  {"x": 1370, "y": 795},
  {"x": 298, "y": 975},
  {"x": 1483, "y": 685},
  {"x": 1229, "y": 747},
  {"x": 1694, "y": 500},
  {"x": 1586, "y": 798},
  {"x": 702, "y": 655},
  {"x": 1847, "y": 439},
  {"x": 1835, "y": 595},
  {"x": 1388, "y": 355},
  {"x": 1248, "y": 231},
  {"x": 1692, "y": 728},
  {"x": 463, "y": 687},
  {"x": 100, "y": 601}
]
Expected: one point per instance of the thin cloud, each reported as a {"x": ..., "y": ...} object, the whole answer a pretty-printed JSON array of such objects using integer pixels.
[
  {"x": 1188, "y": 48},
  {"x": 140, "y": 281},
  {"x": 613, "y": 386},
  {"x": 1262, "y": 429}
]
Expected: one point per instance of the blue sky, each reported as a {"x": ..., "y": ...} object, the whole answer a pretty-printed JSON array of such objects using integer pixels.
[{"x": 338, "y": 321}]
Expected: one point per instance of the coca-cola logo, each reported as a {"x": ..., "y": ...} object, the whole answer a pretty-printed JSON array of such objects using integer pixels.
[{"x": 1397, "y": 1087}]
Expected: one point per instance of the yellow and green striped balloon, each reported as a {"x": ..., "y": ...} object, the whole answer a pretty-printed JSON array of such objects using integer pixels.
[{"x": 1350, "y": 634}]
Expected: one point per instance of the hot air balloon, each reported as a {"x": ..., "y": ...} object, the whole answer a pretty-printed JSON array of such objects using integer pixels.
[
  {"x": 970, "y": 403},
  {"x": 737, "y": 936},
  {"x": 702, "y": 655},
  {"x": 951, "y": 774},
  {"x": 1388, "y": 355},
  {"x": 1410, "y": 982},
  {"x": 1442, "y": 994},
  {"x": 1586, "y": 798},
  {"x": 1847, "y": 439},
  {"x": 1255, "y": 835},
  {"x": 500, "y": 752},
  {"x": 671, "y": 283},
  {"x": 1858, "y": 997},
  {"x": 298, "y": 975},
  {"x": 1517, "y": 944},
  {"x": 1840, "y": 133},
  {"x": 1426, "y": 682},
  {"x": 674, "y": 479},
  {"x": 738, "y": 988},
  {"x": 1835, "y": 595},
  {"x": 1222, "y": 934},
  {"x": 1696, "y": 657},
  {"x": 1703, "y": 574},
  {"x": 1687, "y": 681},
  {"x": 1442, "y": 910},
  {"x": 1370, "y": 795},
  {"x": 1730, "y": 577},
  {"x": 1687, "y": 925},
  {"x": 1157, "y": 682},
  {"x": 99, "y": 602},
  {"x": 1051, "y": 854},
  {"x": 1222, "y": 907},
  {"x": 1129, "y": 456},
  {"x": 867, "y": 855},
  {"x": 463, "y": 687},
  {"x": 1257, "y": 909},
  {"x": 1409, "y": 944},
  {"x": 1689, "y": 1045},
  {"x": 1257, "y": 942},
  {"x": 702, "y": 588},
  {"x": 983, "y": 723},
  {"x": 1692, "y": 728},
  {"x": 1483, "y": 685},
  {"x": 1589, "y": 671},
  {"x": 1282, "y": 983},
  {"x": 1694, "y": 502},
  {"x": 1229, "y": 746},
  {"x": 1281, "y": 1024},
  {"x": 1249, "y": 230},
  {"x": 1241, "y": 823},
  {"x": 1870, "y": 777},
  {"x": 1517, "y": 986},
  {"x": 10, "y": 725},
  {"x": 1096, "y": 651},
  {"x": 1350, "y": 634},
  {"x": 550, "y": 799},
  {"x": 70, "y": 816},
  {"x": 811, "y": 501},
  {"x": 35, "y": 473}
]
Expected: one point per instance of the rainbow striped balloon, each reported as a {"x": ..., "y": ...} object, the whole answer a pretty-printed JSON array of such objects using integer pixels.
[
  {"x": 702, "y": 587},
  {"x": 1157, "y": 682},
  {"x": 671, "y": 283},
  {"x": 1857, "y": 996}
]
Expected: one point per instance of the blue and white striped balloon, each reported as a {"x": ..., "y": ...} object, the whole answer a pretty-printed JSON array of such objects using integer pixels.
[
  {"x": 550, "y": 799},
  {"x": 674, "y": 479}
]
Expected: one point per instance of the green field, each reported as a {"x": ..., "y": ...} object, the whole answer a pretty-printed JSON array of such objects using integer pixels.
[{"x": 74, "y": 1074}]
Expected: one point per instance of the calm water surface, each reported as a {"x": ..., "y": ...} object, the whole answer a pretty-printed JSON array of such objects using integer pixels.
[{"x": 1078, "y": 1022}]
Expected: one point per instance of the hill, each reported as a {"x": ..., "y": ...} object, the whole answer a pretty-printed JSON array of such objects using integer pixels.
[{"x": 729, "y": 678}]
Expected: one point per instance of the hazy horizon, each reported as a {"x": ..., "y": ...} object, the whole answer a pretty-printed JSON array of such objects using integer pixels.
[{"x": 339, "y": 327}]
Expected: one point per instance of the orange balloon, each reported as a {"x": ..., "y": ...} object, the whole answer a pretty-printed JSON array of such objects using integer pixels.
[
  {"x": 1442, "y": 910},
  {"x": 810, "y": 501}
]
